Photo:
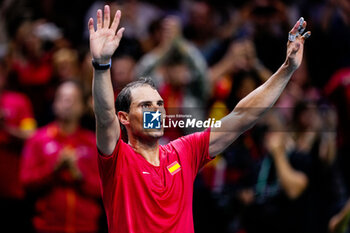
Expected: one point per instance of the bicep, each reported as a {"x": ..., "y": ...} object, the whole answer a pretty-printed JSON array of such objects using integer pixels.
[{"x": 107, "y": 135}]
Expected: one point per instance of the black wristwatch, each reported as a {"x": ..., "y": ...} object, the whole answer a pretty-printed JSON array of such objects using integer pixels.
[{"x": 99, "y": 66}]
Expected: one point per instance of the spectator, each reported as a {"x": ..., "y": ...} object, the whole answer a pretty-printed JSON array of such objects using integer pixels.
[
  {"x": 228, "y": 49},
  {"x": 124, "y": 63},
  {"x": 201, "y": 28},
  {"x": 267, "y": 23},
  {"x": 31, "y": 67},
  {"x": 65, "y": 64},
  {"x": 298, "y": 188},
  {"x": 17, "y": 123},
  {"x": 338, "y": 92},
  {"x": 179, "y": 71},
  {"x": 60, "y": 168}
]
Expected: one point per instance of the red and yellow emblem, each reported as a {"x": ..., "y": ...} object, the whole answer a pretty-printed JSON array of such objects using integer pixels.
[{"x": 174, "y": 168}]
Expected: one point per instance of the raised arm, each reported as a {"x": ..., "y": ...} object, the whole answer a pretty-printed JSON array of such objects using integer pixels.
[
  {"x": 103, "y": 43},
  {"x": 254, "y": 105}
]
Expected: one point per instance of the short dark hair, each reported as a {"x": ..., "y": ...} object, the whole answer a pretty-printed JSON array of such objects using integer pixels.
[{"x": 124, "y": 99}]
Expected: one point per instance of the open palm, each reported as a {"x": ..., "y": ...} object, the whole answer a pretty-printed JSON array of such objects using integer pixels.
[{"x": 104, "y": 41}]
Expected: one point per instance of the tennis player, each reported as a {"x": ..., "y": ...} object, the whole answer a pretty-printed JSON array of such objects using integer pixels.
[{"x": 147, "y": 187}]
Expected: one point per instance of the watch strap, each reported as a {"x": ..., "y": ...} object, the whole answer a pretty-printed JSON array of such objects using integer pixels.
[{"x": 99, "y": 66}]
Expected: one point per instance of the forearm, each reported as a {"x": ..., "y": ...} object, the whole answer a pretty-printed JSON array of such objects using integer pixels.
[
  {"x": 107, "y": 124},
  {"x": 292, "y": 181},
  {"x": 346, "y": 209},
  {"x": 253, "y": 106},
  {"x": 249, "y": 110},
  {"x": 103, "y": 96}
]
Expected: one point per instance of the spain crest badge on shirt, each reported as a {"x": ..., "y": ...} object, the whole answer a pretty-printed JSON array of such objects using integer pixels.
[{"x": 174, "y": 168}]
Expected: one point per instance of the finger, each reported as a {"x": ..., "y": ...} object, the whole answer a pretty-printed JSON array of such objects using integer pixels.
[
  {"x": 119, "y": 35},
  {"x": 295, "y": 28},
  {"x": 116, "y": 20},
  {"x": 106, "y": 20},
  {"x": 301, "y": 28},
  {"x": 91, "y": 26},
  {"x": 99, "y": 19},
  {"x": 300, "y": 24},
  {"x": 306, "y": 35},
  {"x": 298, "y": 28}
]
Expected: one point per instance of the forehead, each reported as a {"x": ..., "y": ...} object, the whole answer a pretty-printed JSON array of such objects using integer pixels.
[{"x": 144, "y": 93}]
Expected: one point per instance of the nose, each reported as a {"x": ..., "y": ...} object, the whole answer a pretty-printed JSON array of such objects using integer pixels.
[{"x": 155, "y": 107}]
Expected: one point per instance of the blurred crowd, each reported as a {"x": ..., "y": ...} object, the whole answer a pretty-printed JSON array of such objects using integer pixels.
[{"x": 290, "y": 173}]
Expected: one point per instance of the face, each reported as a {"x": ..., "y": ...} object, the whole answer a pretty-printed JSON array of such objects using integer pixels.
[
  {"x": 66, "y": 64},
  {"x": 143, "y": 98},
  {"x": 68, "y": 104}
]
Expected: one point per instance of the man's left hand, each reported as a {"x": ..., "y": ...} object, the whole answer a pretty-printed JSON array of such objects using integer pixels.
[{"x": 295, "y": 45}]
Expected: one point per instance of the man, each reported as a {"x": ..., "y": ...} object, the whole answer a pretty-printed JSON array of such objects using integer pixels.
[
  {"x": 59, "y": 167},
  {"x": 147, "y": 187}
]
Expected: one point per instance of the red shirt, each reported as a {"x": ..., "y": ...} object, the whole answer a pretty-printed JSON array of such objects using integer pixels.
[
  {"x": 65, "y": 206},
  {"x": 16, "y": 111},
  {"x": 33, "y": 73},
  {"x": 139, "y": 197}
]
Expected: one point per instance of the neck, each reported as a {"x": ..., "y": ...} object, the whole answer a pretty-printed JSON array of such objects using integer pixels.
[
  {"x": 67, "y": 127},
  {"x": 149, "y": 149}
]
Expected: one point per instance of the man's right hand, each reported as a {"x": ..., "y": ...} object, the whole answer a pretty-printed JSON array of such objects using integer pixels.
[{"x": 104, "y": 41}]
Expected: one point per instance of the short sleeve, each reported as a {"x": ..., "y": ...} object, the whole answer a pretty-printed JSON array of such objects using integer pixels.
[
  {"x": 108, "y": 162},
  {"x": 107, "y": 165},
  {"x": 196, "y": 149}
]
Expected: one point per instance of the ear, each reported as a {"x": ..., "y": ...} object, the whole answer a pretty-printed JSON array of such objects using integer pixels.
[{"x": 123, "y": 117}]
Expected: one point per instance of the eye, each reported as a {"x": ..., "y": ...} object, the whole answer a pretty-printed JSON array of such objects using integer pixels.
[
  {"x": 146, "y": 105},
  {"x": 160, "y": 104}
]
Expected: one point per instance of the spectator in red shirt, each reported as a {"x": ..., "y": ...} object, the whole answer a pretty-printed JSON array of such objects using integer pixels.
[
  {"x": 147, "y": 187},
  {"x": 59, "y": 166},
  {"x": 16, "y": 124}
]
